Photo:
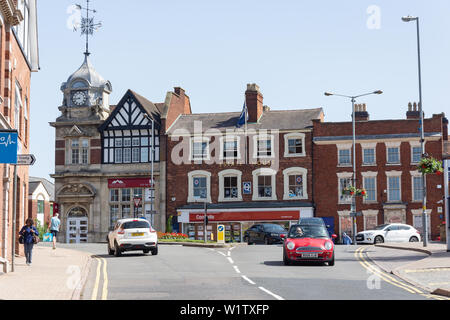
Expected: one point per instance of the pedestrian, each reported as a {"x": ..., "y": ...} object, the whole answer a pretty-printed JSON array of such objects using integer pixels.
[
  {"x": 29, "y": 232},
  {"x": 346, "y": 239},
  {"x": 55, "y": 223}
]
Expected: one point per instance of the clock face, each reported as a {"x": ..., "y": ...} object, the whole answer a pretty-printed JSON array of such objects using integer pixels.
[{"x": 79, "y": 98}]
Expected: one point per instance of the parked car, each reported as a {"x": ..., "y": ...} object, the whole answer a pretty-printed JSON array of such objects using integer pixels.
[
  {"x": 393, "y": 232},
  {"x": 308, "y": 241},
  {"x": 267, "y": 233},
  {"x": 132, "y": 235}
]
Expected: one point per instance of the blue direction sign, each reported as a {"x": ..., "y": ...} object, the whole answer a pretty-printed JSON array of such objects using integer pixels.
[{"x": 8, "y": 147}]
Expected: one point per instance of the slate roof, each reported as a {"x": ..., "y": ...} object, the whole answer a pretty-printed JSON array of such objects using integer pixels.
[
  {"x": 276, "y": 119},
  {"x": 34, "y": 182}
]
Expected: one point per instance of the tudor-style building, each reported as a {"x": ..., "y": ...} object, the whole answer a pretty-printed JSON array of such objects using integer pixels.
[{"x": 103, "y": 158}]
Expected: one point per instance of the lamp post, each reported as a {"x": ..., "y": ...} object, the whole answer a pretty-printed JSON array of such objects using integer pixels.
[
  {"x": 422, "y": 135},
  {"x": 353, "y": 99}
]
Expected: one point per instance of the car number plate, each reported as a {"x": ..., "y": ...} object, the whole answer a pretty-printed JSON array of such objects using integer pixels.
[
  {"x": 140, "y": 234},
  {"x": 310, "y": 255}
]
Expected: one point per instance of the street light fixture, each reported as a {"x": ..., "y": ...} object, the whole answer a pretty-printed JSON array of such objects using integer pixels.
[
  {"x": 422, "y": 135},
  {"x": 353, "y": 99}
]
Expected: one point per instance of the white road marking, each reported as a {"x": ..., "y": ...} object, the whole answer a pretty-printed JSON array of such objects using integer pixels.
[
  {"x": 236, "y": 268},
  {"x": 248, "y": 280},
  {"x": 230, "y": 260},
  {"x": 229, "y": 253},
  {"x": 271, "y": 293},
  {"x": 222, "y": 253}
]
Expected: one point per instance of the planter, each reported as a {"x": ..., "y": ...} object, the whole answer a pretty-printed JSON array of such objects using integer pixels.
[{"x": 429, "y": 165}]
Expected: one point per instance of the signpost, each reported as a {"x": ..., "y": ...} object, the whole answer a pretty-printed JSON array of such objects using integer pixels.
[
  {"x": 446, "y": 165},
  {"x": 220, "y": 233}
]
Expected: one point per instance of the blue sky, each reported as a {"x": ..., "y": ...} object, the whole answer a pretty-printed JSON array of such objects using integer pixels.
[{"x": 294, "y": 50}]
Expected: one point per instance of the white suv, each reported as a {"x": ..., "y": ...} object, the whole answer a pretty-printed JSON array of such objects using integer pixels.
[
  {"x": 132, "y": 235},
  {"x": 394, "y": 232}
]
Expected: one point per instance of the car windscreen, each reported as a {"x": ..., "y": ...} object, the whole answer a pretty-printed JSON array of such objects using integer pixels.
[
  {"x": 274, "y": 228},
  {"x": 308, "y": 231},
  {"x": 136, "y": 225},
  {"x": 380, "y": 227}
]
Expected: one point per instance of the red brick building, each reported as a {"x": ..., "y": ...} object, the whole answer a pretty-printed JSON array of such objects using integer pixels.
[
  {"x": 18, "y": 59},
  {"x": 260, "y": 172},
  {"x": 41, "y": 197},
  {"x": 387, "y": 153}
]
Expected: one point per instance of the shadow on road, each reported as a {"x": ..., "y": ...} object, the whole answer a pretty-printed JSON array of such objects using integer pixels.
[
  {"x": 296, "y": 263},
  {"x": 124, "y": 255}
]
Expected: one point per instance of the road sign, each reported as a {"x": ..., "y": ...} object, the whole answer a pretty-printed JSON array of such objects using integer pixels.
[
  {"x": 220, "y": 233},
  {"x": 26, "y": 160},
  {"x": 357, "y": 214},
  {"x": 137, "y": 202},
  {"x": 8, "y": 147}
]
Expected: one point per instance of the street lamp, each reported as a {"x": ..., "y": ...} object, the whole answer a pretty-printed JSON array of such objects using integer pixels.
[
  {"x": 422, "y": 135},
  {"x": 353, "y": 99}
]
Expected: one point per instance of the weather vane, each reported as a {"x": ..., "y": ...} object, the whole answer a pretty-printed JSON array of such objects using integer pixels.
[{"x": 88, "y": 25}]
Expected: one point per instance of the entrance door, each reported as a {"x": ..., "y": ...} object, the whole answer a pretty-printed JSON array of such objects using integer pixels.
[{"x": 77, "y": 230}]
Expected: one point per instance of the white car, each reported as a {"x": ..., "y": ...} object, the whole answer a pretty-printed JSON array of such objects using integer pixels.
[
  {"x": 394, "y": 232},
  {"x": 132, "y": 235}
]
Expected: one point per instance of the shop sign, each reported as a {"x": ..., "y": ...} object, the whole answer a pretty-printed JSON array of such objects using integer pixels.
[
  {"x": 246, "y": 216},
  {"x": 130, "y": 183}
]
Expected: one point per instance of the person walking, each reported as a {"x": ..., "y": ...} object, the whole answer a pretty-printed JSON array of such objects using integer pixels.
[
  {"x": 55, "y": 223},
  {"x": 29, "y": 232}
]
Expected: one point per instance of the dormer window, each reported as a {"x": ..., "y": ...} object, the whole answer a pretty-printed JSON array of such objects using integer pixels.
[{"x": 79, "y": 84}]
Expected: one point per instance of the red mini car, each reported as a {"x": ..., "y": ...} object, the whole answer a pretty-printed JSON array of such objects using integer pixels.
[{"x": 308, "y": 242}]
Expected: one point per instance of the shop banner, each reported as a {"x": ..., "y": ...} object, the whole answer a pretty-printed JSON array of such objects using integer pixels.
[
  {"x": 129, "y": 183},
  {"x": 246, "y": 216}
]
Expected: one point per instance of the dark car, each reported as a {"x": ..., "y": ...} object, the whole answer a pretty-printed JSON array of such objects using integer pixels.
[{"x": 267, "y": 233}]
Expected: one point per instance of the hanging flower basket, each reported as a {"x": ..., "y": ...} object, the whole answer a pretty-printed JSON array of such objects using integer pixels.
[
  {"x": 429, "y": 165},
  {"x": 353, "y": 191}
]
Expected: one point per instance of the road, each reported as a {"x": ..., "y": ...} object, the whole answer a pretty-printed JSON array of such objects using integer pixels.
[{"x": 244, "y": 273}]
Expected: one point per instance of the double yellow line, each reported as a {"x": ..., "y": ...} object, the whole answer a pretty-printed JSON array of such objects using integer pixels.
[
  {"x": 104, "y": 293},
  {"x": 363, "y": 261}
]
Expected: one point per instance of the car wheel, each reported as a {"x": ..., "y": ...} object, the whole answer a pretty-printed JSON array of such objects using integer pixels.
[
  {"x": 414, "y": 239},
  {"x": 378, "y": 239},
  {"x": 155, "y": 251},
  {"x": 110, "y": 251},
  {"x": 331, "y": 262},
  {"x": 117, "y": 252},
  {"x": 286, "y": 260},
  {"x": 248, "y": 241}
]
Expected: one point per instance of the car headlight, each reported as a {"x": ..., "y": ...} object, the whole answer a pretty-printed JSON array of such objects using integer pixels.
[
  {"x": 328, "y": 246},
  {"x": 290, "y": 246}
]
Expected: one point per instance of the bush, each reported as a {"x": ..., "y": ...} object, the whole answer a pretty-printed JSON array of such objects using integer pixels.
[
  {"x": 172, "y": 236},
  {"x": 169, "y": 225},
  {"x": 41, "y": 229}
]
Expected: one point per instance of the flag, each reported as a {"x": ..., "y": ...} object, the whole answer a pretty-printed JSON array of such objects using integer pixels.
[{"x": 243, "y": 117}]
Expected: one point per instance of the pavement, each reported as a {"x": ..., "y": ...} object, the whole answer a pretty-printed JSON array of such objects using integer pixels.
[
  {"x": 54, "y": 275},
  {"x": 430, "y": 272}
]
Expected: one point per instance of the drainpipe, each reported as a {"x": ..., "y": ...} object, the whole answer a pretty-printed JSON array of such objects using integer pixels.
[{"x": 5, "y": 228}]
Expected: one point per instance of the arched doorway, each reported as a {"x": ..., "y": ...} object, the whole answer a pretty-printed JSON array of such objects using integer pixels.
[{"x": 77, "y": 225}]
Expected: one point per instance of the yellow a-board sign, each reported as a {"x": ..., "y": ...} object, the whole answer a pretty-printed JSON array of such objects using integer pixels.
[{"x": 220, "y": 233}]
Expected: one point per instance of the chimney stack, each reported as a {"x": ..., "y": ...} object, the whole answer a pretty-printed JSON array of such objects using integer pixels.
[
  {"x": 254, "y": 101},
  {"x": 413, "y": 111},
  {"x": 361, "y": 113}
]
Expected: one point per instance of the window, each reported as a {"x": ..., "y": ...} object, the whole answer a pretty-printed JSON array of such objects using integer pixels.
[
  {"x": 84, "y": 151},
  {"x": 393, "y": 155},
  {"x": 127, "y": 155},
  {"x": 264, "y": 147},
  {"x": 295, "y": 186},
  {"x": 345, "y": 157},
  {"x": 394, "y": 188},
  {"x": 200, "y": 188},
  {"x": 122, "y": 203},
  {"x": 344, "y": 183},
  {"x": 417, "y": 188},
  {"x": 18, "y": 108},
  {"x": 369, "y": 156},
  {"x": 75, "y": 151},
  {"x": 416, "y": 154},
  {"x": 199, "y": 184},
  {"x": 371, "y": 188},
  {"x": 230, "y": 149},
  {"x": 294, "y": 145},
  {"x": 264, "y": 186},
  {"x": 79, "y": 151},
  {"x": 230, "y": 185},
  {"x": 40, "y": 208},
  {"x": 200, "y": 150}
]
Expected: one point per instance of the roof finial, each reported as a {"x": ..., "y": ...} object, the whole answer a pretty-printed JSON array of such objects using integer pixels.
[{"x": 87, "y": 24}]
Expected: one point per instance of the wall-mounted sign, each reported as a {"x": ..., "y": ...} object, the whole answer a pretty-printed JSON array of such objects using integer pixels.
[
  {"x": 8, "y": 147},
  {"x": 247, "y": 189},
  {"x": 120, "y": 183}
]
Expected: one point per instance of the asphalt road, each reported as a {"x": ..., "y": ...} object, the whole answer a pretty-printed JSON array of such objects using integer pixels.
[{"x": 243, "y": 273}]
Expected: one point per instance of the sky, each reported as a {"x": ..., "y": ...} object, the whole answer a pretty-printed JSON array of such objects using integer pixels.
[{"x": 295, "y": 50}]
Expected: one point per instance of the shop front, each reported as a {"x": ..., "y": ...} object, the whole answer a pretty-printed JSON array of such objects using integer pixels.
[{"x": 236, "y": 220}]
